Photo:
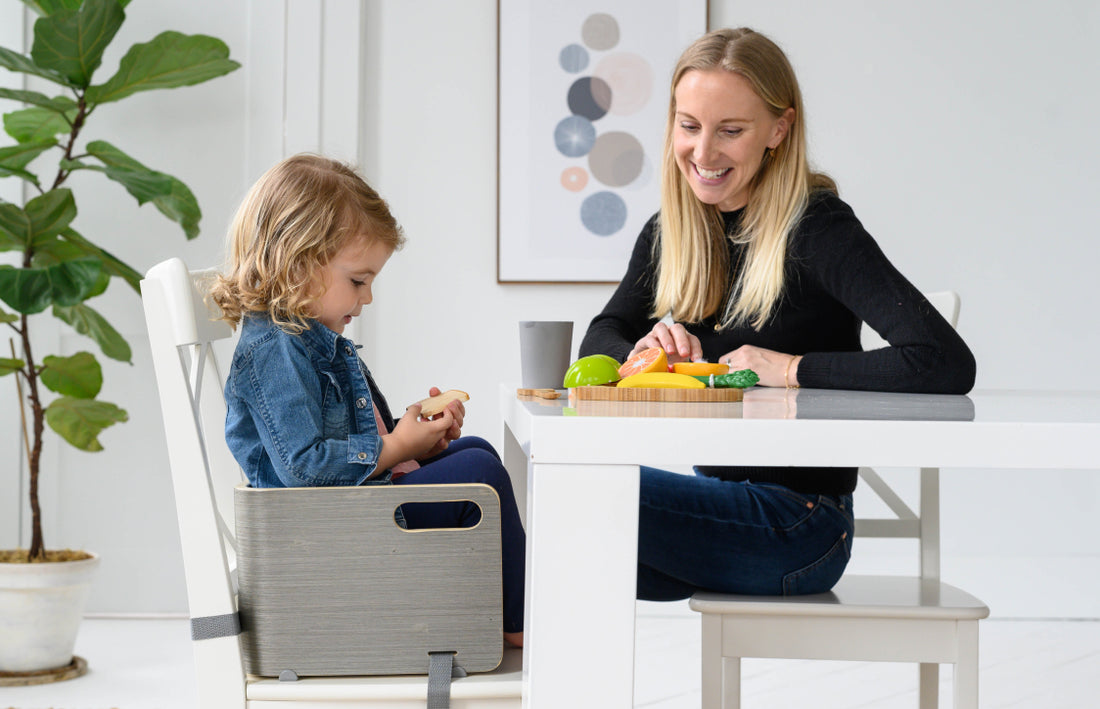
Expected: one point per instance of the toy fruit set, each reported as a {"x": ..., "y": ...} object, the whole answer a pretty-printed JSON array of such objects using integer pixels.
[{"x": 649, "y": 369}]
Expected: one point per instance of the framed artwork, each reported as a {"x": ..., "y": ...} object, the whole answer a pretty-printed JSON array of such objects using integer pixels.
[{"x": 583, "y": 101}]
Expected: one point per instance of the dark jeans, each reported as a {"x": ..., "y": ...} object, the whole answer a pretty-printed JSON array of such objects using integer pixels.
[
  {"x": 699, "y": 533},
  {"x": 472, "y": 460}
]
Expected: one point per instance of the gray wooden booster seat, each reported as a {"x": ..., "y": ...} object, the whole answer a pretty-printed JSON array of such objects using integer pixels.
[{"x": 316, "y": 585}]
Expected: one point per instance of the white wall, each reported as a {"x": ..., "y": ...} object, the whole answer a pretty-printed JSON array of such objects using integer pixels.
[{"x": 959, "y": 131}]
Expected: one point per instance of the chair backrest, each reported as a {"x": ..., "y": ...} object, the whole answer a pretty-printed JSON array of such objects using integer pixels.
[
  {"x": 907, "y": 524},
  {"x": 182, "y": 338}
]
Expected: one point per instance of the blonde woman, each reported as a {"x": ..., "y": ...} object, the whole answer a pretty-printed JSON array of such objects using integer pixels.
[{"x": 760, "y": 265}]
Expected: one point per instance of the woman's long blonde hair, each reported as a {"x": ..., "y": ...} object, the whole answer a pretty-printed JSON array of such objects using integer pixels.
[
  {"x": 289, "y": 226},
  {"x": 693, "y": 258}
]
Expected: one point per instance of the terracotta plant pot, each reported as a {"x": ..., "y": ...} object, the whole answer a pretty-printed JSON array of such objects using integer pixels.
[{"x": 41, "y": 606}]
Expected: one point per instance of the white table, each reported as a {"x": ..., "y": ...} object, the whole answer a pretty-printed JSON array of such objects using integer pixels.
[{"x": 577, "y": 465}]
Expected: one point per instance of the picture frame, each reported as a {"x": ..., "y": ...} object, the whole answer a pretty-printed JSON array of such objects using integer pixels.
[{"x": 582, "y": 107}]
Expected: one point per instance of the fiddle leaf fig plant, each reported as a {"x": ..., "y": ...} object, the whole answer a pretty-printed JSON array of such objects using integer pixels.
[{"x": 58, "y": 268}]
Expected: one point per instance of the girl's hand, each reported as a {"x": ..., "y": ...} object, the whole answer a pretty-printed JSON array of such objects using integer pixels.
[
  {"x": 414, "y": 437},
  {"x": 458, "y": 412},
  {"x": 769, "y": 365},
  {"x": 679, "y": 344}
]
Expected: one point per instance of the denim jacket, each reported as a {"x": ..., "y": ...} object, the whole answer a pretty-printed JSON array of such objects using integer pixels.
[{"x": 300, "y": 408}]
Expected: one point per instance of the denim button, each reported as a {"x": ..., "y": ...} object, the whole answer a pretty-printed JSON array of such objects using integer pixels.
[
  {"x": 348, "y": 350},
  {"x": 361, "y": 402},
  {"x": 362, "y": 456}
]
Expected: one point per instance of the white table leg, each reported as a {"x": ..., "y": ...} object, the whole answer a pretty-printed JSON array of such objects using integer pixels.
[
  {"x": 515, "y": 462},
  {"x": 582, "y": 552}
]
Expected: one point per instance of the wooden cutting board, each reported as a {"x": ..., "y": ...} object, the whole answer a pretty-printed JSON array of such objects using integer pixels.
[{"x": 612, "y": 393}]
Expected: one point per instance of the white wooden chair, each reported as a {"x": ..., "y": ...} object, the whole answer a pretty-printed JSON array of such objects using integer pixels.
[
  {"x": 183, "y": 339},
  {"x": 868, "y": 618}
]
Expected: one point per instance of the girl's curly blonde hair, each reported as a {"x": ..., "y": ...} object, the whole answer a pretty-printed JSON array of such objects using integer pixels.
[{"x": 289, "y": 226}]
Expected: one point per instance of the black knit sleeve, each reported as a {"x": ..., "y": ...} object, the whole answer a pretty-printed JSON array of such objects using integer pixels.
[
  {"x": 626, "y": 319},
  {"x": 925, "y": 354}
]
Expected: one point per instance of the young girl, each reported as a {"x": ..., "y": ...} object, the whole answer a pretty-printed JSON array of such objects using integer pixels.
[{"x": 303, "y": 409}]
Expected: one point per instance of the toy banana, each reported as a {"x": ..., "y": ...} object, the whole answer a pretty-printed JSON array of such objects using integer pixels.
[{"x": 661, "y": 380}]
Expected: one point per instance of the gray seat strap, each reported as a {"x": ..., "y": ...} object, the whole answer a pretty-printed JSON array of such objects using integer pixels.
[
  {"x": 440, "y": 667},
  {"x": 215, "y": 626}
]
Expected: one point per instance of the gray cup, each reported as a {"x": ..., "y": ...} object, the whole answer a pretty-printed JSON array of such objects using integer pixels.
[{"x": 544, "y": 347}]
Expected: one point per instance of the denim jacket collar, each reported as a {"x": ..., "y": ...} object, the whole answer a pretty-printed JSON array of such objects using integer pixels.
[{"x": 322, "y": 340}]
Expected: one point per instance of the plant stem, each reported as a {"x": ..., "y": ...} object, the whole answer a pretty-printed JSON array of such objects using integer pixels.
[
  {"x": 37, "y": 548},
  {"x": 22, "y": 408},
  {"x": 78, "y": 123}
]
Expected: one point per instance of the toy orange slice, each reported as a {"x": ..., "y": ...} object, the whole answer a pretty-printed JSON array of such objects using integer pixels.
[
  {"x": 700, "y": 369},
  {"x": 649, "y": 360}
]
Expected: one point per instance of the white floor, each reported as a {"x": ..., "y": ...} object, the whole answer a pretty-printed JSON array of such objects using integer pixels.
[{"x": 146, "y": 664}]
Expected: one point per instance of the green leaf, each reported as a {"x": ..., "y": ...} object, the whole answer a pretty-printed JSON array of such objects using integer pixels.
[
  {"x": 6, "y": 317},
  {"x": 50, "y": 213},
  {"x": 59, "y": 104},
  {"x": 23, "y": 64},
  {"x": 55, "y": 250},
  {"x": 44, "y": 217},
  {"x": 71, "y": 42},
  {"x": 111, "y": 263},
  {"x": 171, "y": 59},
  {"x": 21, "y": 155},
  {"x": 48, "y": 7},
  {"x": 10, "y": 366},
  {"x": 88, "y": 322},
  {"x": 78, "y": 376},
  {"x": 33, "y": 125},
  {"x": 14, "y": 158},
  {"x": 80, "y": 421},
  {"x": 15, "y": 225},
  {"x": 31, "y": 290},
  {"x": 174, "y": 199}
]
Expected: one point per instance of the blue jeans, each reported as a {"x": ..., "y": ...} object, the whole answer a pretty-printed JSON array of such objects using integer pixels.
[
  {"x": 473, "y": 460},
  {"x": 698, "y": 533}
]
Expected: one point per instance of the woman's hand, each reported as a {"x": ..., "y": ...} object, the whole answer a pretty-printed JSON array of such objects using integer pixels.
[
  {"x": 679, "y": 344},
  {"x": 775, "y": 369}
]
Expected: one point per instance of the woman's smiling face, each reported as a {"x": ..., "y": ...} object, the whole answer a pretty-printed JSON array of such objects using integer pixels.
[{"x": 720, "y": 132}]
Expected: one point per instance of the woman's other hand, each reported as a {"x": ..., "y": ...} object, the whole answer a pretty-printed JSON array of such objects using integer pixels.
[
  {"x": 775, "y": 369},
  {"x": 679, "y": 344}
]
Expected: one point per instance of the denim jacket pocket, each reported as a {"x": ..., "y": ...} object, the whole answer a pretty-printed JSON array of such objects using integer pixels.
[{"x": 334, "y": 412}]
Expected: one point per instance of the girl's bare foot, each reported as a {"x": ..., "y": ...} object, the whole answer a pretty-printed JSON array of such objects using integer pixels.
[{"x": 515, "y": 639}]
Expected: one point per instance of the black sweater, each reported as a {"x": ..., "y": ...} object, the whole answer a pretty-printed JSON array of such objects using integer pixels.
[{"x": 836, "y": 278}]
